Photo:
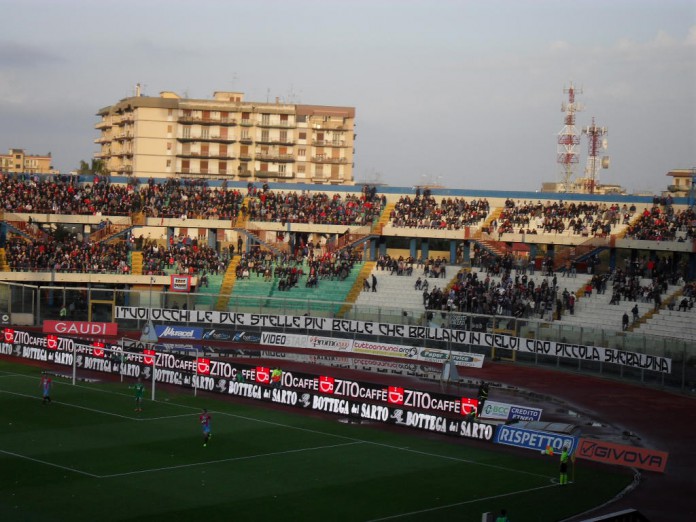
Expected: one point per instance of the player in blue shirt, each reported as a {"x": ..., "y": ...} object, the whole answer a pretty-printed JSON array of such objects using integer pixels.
[{"x": 205, "y": 423}]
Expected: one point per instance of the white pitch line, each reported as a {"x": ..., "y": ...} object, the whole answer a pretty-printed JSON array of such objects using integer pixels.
[
  {"x": 308, "y": 430},
  {"x": 473, "y": 501},
  {"x": 69, "y": 405},
  {"x": 231, "y": 459},
  {"x": 46, "y": 463}
]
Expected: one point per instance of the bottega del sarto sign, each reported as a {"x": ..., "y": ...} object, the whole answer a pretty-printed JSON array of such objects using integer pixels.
[{"x": 80, "y": 328}]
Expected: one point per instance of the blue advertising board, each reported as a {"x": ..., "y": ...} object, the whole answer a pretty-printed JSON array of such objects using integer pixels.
[{"x": 534, "y": 439}]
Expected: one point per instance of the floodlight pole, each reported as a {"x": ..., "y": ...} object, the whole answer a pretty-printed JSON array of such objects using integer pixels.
[
  {"x": 74, "y": 363},
  {"x": 154, "y": 366},
  {"x": 195, "y": 374}
]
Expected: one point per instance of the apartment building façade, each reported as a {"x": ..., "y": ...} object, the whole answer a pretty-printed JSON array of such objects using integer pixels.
[
  {"x": 227, "y": 137},
  {"x": 18, "y": 161}
]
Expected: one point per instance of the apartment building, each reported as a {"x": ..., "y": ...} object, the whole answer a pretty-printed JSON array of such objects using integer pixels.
[
  {"x": 16, "y": 160},
  {"x": 227, "y": 137}
]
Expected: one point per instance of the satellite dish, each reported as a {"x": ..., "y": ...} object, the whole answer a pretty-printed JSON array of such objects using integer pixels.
[
  {"x": 605, "y": 162},
  {"x": 605, "y": 143}
]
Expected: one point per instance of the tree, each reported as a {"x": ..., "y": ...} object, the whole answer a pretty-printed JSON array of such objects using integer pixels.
[{"x": 97, "y": 167}]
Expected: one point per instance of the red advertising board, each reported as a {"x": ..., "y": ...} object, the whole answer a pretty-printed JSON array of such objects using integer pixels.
[
  {"x": 619, "y": 454},
  {"x": 180, "y": 283},
  {"x": 80, "y": 328}
]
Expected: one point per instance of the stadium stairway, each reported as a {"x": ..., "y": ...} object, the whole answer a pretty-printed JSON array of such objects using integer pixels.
[
  {"x": 384, "y": 218},
  {"x": 328, "y": 296},
  {"x": 495, "y": 214},
  {"x": 357, "y": 287},
  {"x": 136, "y": 261},
  {"x": 398, "y": 291},
  {"x": 670, "y": 323},
  {"x": 243, "y": 214},
  {"x": 595, "y": 311},
  {"x": 4, "y": 266},
  {"x": 206, "y": 296},
  {"x": 227, "y": 285}
]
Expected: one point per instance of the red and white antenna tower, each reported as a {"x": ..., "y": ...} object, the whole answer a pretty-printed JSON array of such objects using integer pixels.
[
  {"x": 597, "y": 143},
  {"x": 568, "y": 139}
]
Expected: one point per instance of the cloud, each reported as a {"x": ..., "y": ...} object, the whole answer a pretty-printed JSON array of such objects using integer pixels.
[
  {"x": 559, "y": 45},
  {"x": 16, "y": 55},
  {"x": 691, "y": 37}
]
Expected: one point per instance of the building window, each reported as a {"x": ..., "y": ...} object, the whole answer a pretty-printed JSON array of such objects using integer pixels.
[
  {"x": 301, "y": 118},
  {"x": 169, "y": 163},
  {"x": 265, "y": 119},
  {"x": 303, "y": 135},
  {"x": 302, "y": 152},
  {"x": 169, "y": 129},
  {"x": 205, "y": 133},
  {"x": 301, "y": 169},
  {"x": 281, "y": 168},
  {"x": 264, "y": 135},
  {"x": 186, "y": 132},
  {"x": 169, "y": 146},
  {"x": 283, "y": 136}
]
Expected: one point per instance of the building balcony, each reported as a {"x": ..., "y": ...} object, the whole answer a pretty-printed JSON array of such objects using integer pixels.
[
  {"x": 332, "y": 143},
  {"x": 326, "y": 159},
  {"x": 246, "y": 141},
  {"x": 265, "y": 174},
  {"x": 104, "y": 124},
  {"x": 246, "y": 123},
  {"x": 122, "y": 136},
  {"x": 277, "y": 125},
  {"x": 209, "y": 155},
  {"x": 103, "y": 139},
  {"x": 244, "y": 156},
  {"x": 329, "y": 126},
  {"x": 122, "y": 120},
  {"x": 245, "y": 173},
  {"x": 209, "y": 139},
  {"x": 275, "y": 141},
  {"x": 275, "y": 158},
  {"x": 208, "y": 121},
  {"x": 124, "y": 169}
]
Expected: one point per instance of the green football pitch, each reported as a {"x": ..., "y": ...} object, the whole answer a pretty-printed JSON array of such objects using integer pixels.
[{"x": 89, "y": 456}]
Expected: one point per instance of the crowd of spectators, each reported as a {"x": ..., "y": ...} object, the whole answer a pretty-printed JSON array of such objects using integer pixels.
[
  {"x": 187, "y": 256},
  {"x": 69, "y": 254},
  {"x": 527, "y": 217},
  {"x": 188, "y": 199},
  {"x": 288, "y": 270},
  {"x": 423, "y": 211},
  {"x": 316, "y": 207},
  {"x": 662, "y": 223},
  {"x": 517, "y": 296},
  {"x": 64, "y": 195}
]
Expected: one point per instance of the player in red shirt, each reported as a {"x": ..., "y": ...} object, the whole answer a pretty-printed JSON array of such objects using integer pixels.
[
  {"x": 46, "y": 388},
  {"x": 205, "y": 423}
]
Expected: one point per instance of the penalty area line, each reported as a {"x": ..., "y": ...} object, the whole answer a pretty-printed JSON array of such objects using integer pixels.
[
  {"x": 101, "y": 412},
  {"x": 464, "y": 503},
  {"x": 231, "y": 459},
  {"x": 46, "y": 463}
]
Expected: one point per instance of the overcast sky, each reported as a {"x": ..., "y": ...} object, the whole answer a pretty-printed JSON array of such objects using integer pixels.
[{"x": 463, "y": 93}]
